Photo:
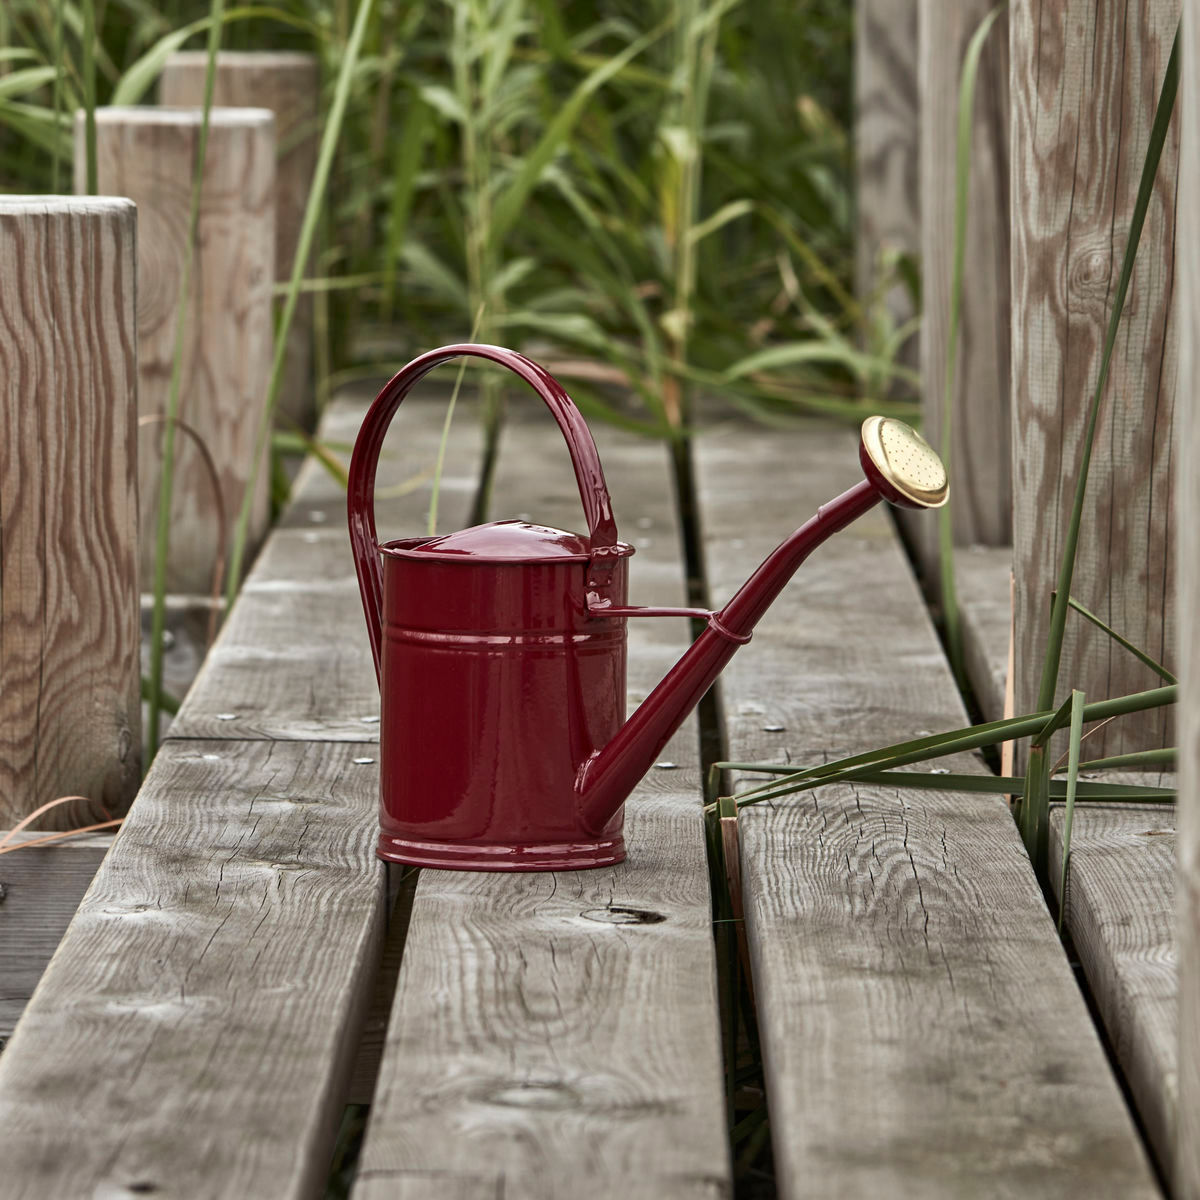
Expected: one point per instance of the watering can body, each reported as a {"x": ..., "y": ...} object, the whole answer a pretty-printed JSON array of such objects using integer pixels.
[
  {"x": 496, "y": 687},
  {"x": 500, "y": 651}
]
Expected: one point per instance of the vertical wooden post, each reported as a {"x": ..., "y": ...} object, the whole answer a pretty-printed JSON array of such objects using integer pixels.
[
  {"x": 885, "y": 139},
  {"x": 1187, "y": 1125},
  {"x": 149, "y": 155},
  {"x": 1085, "y": 82},
  {"x": 289, "y": 85},
  {"x": 981, "y": 489},
  {"x": 70, "y": 716}
]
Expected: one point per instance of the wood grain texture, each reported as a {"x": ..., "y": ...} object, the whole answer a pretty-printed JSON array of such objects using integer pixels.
[
  {"x": 983, "y": 577},
  {"x": 1186, "y": 1168},
  {"x": 1085, "y": 82},
  {"x": 149, "y": 154},
  {"x": 886, "y": 131},
  {"x": 289, "y": 84},
  {"x": 200, "y": 1018},
  {"x": 981, "y": 493},
  {"x": 1120, "y": 912},
  {"x": 556, "y": 1035},
  {"x": 922, "y": 1033},
  {"x": 69, "y": 716},
  {"x": 40, "y": 889}
]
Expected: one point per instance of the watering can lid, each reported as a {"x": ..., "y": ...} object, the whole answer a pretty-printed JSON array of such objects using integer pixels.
[{"x": 507, "y": 541}]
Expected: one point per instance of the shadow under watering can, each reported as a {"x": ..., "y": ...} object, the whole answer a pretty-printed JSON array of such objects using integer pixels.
[{"x": 500, "y": 651}]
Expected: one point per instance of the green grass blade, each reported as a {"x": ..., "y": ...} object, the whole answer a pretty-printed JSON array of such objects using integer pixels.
[
  {"x": 955, "y": 741},
  {"x": 1072, "y": 789},
  {"x": 962, "y": 179},
  {"x": 999, "y": 785},
  {"x": 1137, "y": 653},
  {"x": 312, "y": 211},
  {"x": 60, "y": 70},
  {"x": 1164, "y": 759},
  {"x": 445, "y": 438},
  {"x": 1058, "y": 614},
  {"x": 1061, "y": 718},
  {"x": 89, "y": 93},
  {"x": 510, "y": 202}
]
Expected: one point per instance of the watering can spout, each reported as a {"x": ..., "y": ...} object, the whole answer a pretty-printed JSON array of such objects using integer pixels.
[{"x": 899, "y": 467}]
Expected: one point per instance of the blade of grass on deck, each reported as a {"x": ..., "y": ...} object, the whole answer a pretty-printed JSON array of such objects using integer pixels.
[
  {"x": 557, "y": 1035},
  {"x": 921, "y": 1030}
]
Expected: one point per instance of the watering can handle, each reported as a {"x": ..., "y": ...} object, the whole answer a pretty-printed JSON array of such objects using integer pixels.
[{"x": 360, "y": 500}]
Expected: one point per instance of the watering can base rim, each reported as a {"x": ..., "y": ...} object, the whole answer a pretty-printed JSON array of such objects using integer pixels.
[{"x": 458, "y": 856}]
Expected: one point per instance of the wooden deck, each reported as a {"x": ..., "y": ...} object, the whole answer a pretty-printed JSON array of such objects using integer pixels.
[
  {"x": 1120, "y": 907},
  {"x": 922, "y": 1032},
  {"x": 209, "y": 1011}
]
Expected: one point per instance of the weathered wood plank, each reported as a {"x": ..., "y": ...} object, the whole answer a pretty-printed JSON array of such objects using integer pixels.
[
  {"x": 983, "y": 579},
  {"x": 981, "y": 493},
  {"x": 1085, "y": 82},
  {"x": 40, "y": 889},
  {"x": 1185, "y": 1170},
  {"x": 69, "y": 715},
  {"x": 886, "y": 132},
  {"x": 921, "y": 1030},
  {"x": 1120, "y": 912},
  {"x": 557, "y": 1035},
  {"x": 201, "y": 1016},
  {"x": 289, "y": 84},
  {"x": 149, "y": 155}
]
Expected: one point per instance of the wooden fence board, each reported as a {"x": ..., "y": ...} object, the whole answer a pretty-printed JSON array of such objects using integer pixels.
[
  {"x": 981, "y": 491},
  {"x": 289, "y": 84},
  {"x": 148, "y": 154},
  {"x": 1120, "y": 912},
  {"x": 556, "y": 1035},
  {"x": 922, "y": 1033},
  {"x": 1185, "y": 1171},
  {"x": 1085, "y": 82},
  {"x": 206, "y": 999},
  {"x": 886, "y": 133},
  {"x": 69, "y": 716}
]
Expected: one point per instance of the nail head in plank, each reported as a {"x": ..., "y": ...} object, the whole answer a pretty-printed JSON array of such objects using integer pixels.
[{"x": 922, "y": 1031}]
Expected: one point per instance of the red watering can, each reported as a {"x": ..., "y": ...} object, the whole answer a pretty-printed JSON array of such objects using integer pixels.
[{"x": 500, "y": 651}]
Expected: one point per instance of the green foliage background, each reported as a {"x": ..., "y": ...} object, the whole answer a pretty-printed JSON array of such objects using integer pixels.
[{"x": 653, "y": 195}]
